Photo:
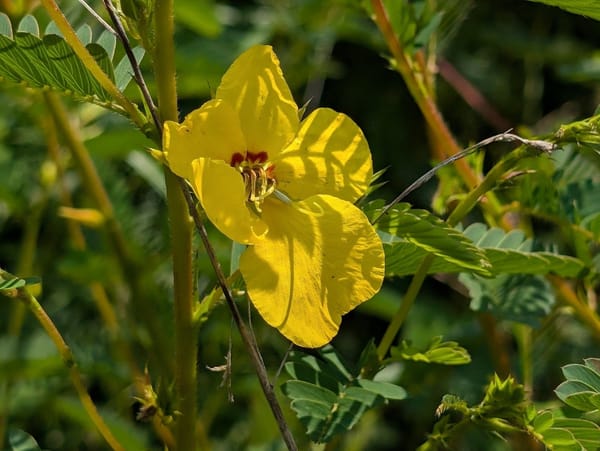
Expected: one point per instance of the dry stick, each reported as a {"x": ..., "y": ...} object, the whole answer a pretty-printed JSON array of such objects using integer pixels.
[{"x": 250, "y": 343}]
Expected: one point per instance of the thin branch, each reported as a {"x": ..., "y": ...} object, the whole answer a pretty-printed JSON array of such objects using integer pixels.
[
  {"x": 543, "y": 146},
  {"x": 247, "y": 336},
  {"x": 137, "y": 72},
  {"x": 97, "y": 17}
]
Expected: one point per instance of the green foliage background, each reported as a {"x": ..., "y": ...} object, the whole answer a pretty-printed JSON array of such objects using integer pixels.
[{"x": 538, "y": 68}]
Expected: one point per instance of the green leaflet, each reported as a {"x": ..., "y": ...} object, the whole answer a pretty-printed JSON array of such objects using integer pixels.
[
  {"x": 581, "y": 391},
  {"x": 49, "y": 62},
  {"x": 518, "y": 292},
  {"x": 21, "y": 441},
  {"x": 444, "y": 353},
  {"x": 510, "y": 253},
  {"x": 582, "y": 7},
  {"x": 572, "y": 434},
  {"x": 11, "y": 284},
  {"x": 413, "y": 22},
  {"x": 327, "y": 397}
]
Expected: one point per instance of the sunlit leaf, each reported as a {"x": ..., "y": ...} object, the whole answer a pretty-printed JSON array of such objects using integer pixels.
[
  {"x": 11, "y": 284},
  {"x": 48, "y": 62}
]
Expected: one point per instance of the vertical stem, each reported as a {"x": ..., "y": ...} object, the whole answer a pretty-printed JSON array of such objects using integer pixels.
[
  {"x": 181, "y": 239},
  {"x": 164, "y": 60},
  {"x": 185, "y": 331},
  {"x": 523, "y": 337},
  {"x": 407, "y": 302}
]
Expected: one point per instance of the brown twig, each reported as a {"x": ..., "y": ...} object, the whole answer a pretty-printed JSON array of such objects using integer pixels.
[
  {"x": 137, "y": 72},
  {"x": 471, "y": 95},
  {"x": 245, "y": 333}
]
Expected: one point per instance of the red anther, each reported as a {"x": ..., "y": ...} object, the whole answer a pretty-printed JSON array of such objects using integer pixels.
[
  {"x": 258, "y": 157},
  {"x": 236, "y": 159}
]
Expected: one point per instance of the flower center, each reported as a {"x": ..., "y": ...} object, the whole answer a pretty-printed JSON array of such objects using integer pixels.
[{"x": 258, "y": 177}]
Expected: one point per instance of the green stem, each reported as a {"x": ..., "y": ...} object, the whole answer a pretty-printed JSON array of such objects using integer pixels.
[
  {"x": 407, "y": 303},
  {"x": 181, "y": 239},
  {"x": 164, "y": 60},
  {"x": 417, "y": 85},
  {"x": 90, "y": 63},
  {"x": 186, "y": 349},
  {"x": 67, "y": 356},
  {"x": 488, "y": 183},
  {"x": 523, "y": 337}
]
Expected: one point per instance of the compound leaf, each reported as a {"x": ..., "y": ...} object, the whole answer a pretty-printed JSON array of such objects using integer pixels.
[{"x": 327, "y": 397}]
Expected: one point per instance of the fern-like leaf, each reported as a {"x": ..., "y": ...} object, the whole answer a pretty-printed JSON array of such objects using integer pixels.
[
  {"x": 411, "y": 234},
  {"x": 49, "y": 63},
  {"x": 511, "y": 253}
]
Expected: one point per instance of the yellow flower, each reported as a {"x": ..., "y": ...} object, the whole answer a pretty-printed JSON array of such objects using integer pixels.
[{"x": 286, "y": 189}]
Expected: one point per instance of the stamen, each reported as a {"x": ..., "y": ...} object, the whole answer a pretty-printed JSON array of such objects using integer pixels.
[{"x": 258, "y": 176}]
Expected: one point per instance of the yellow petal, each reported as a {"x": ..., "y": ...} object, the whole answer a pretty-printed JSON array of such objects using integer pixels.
[
  {"x": 220, "y": 189},
  {"x": 211, "y": 131},
  {"x": 329, "y": 155},
  {"x": 255, "y": 86},
  {"x": 319, "y": 260}
]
